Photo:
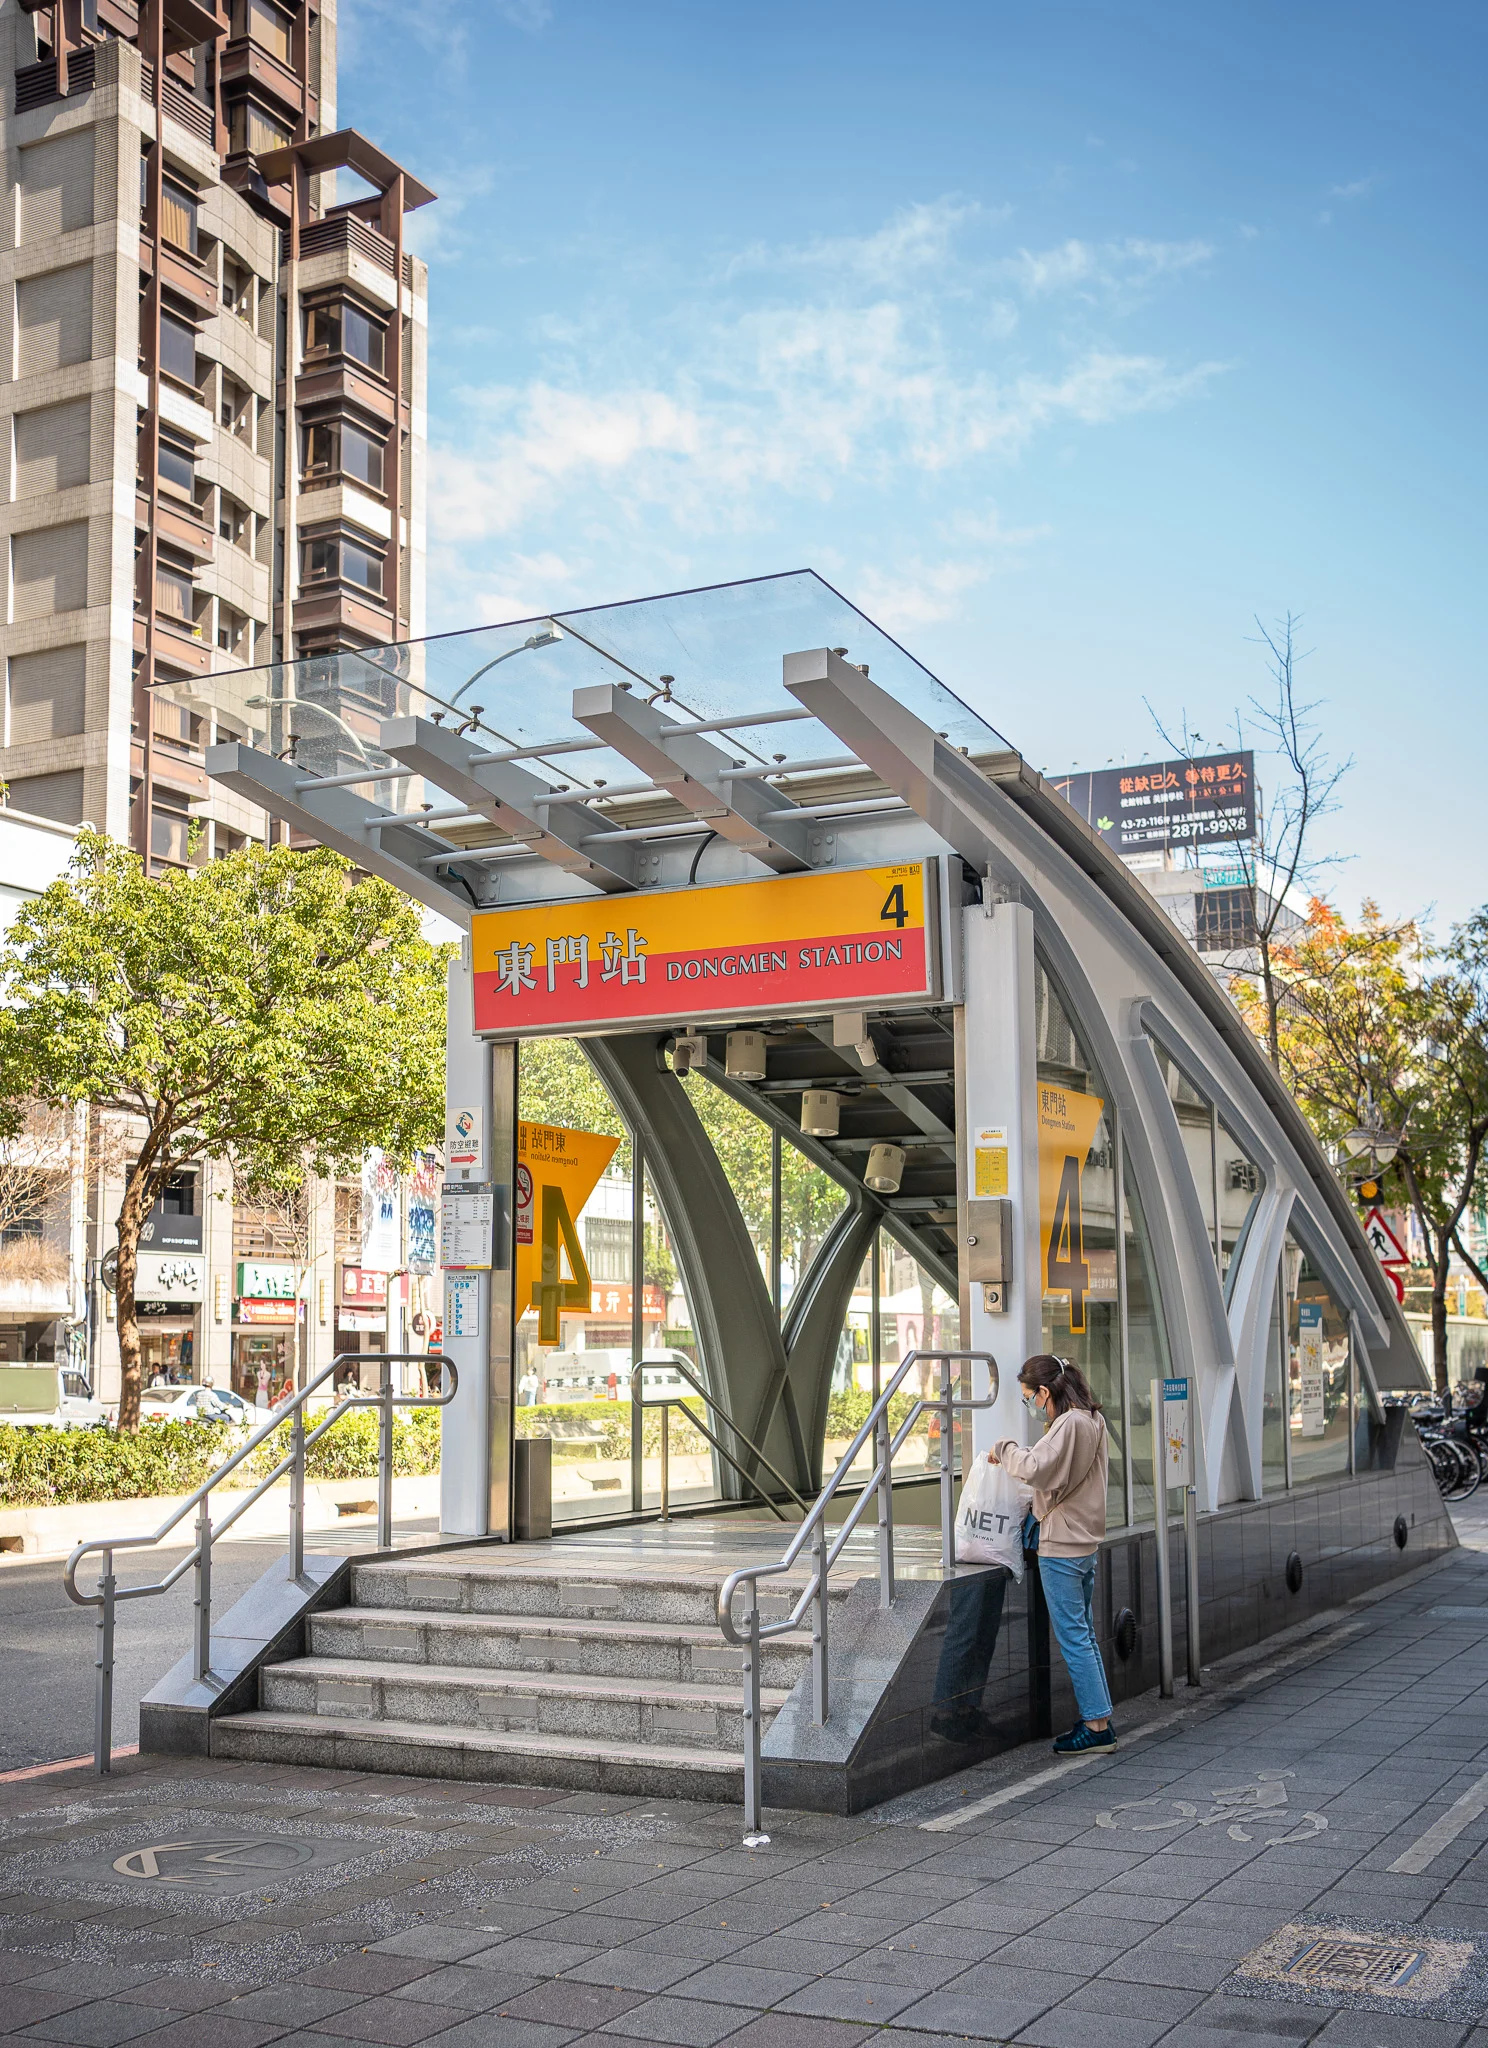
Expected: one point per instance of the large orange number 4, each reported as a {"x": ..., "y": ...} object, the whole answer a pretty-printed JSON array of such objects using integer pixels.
[
  {"x": 1068, "y": 1269},
  {"x": 552, "y": 1292}
]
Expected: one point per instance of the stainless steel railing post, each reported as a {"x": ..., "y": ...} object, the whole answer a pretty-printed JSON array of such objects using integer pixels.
[
  {"x": 202, "y": 1623},
  {"x": 820, "y": 1687},
  {"x": 754, "y": 1837},
  {"x": 1191, "y": 1551},
  {"x": 297, "y": 1498},
  {"x": 385, "y": 1458},
  {"x": 884, "y": 1480},
  {"x": 1164, "y": 1559},
  {"x": 666, "y": 1467},
  {"x": 103, "y": 1664},
  {"x": 947, "y": 1474}
]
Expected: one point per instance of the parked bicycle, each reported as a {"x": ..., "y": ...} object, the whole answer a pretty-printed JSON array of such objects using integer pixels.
[{"x": 1456, "y": 1451}]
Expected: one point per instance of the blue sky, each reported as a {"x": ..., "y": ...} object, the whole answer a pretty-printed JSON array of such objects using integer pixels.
[{"x": 1061, "y": 339}]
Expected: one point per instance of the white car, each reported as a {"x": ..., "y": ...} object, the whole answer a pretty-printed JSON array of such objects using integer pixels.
[{"x": 194, "y": 1404}]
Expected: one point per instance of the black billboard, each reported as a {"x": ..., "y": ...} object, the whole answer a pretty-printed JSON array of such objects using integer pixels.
[{"x": 1206, "y": 801}]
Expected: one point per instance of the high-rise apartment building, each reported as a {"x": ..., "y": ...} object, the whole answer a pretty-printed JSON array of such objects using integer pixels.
[{"x": 213, "y": 383}]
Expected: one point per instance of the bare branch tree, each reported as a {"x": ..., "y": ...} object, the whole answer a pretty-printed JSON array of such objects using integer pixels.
[{"x": 1283, "y": 857}]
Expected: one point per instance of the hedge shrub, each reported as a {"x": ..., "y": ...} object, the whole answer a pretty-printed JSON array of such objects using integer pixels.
[{"x": 42, "y": 1468}]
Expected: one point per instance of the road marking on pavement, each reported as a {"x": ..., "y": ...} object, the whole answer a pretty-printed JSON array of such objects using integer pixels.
[
  {"x": 1423, "y": 1853},
  {"x": 958, "y": 1815},
  {"x": 1312, "y": 1646}
]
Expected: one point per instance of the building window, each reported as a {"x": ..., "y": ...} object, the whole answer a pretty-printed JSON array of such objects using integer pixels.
[
  {"x": 170, "y": 835},
  {"x": 1225, "y": 920},
  {"x": 332, "y": 557},
  {"x": 178, "y": 217},
  {"x": 607, "y": 1248},
  {"x": 178, "y": 464},
  {"x": 177, "y": 351},
  {"x": 237, "y": 408},
  {"x": 237, "y": 289},
  {"x": 234, "y": 522},
  {"x": 264, "y": 24},
  {"x": 337, "y": 448},
  {"x": 250, "y": 128},
  {"x": 175, "y": 594},
  {"x": 343, "y": 329}
]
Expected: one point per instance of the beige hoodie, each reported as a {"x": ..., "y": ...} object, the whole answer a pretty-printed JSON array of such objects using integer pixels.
[{"x": 1067, "y": 1470}]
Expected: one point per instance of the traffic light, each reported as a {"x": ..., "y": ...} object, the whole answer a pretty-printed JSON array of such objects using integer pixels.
[{"x": 1369, "y": 1190}]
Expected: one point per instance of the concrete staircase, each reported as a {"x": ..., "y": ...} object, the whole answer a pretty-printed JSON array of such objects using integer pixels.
[{"x": 478, "y": 1665}]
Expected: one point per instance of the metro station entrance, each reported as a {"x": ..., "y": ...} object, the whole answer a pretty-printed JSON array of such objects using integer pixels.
[{"x": 797, "y": 1026}]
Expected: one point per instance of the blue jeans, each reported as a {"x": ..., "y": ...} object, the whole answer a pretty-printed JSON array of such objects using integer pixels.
[{"x": 1069, "y": 1587}]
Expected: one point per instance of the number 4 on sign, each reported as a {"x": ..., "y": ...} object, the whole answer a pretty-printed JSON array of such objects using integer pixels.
[
  {"x": 551, "y": 1293},
  {"x": 1069, "y": 1269}
]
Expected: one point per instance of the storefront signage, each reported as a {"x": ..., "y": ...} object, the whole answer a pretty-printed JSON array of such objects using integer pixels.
[
  {"x": 423, "y": 1226},
  {"x": 1209, "y": 801},
  {"x": 250, "y": 1311},
  {"x": 557, "y": 1172},
  {"x": 268, "y": 1279},
  {"x": 361, "y": 1319},
  {"x": 1310, "y": 1367},
  {"x": 163, "y": 1231},
  {"x": 169, "y": 1276},
  {"x": 366, "y": 1289},
  {"x": 812, "y": 942},
  {"x": 612, "y": 1299},
  {"x": 381, "y": 1237},
  {"x": 1067, "y": 1123}
]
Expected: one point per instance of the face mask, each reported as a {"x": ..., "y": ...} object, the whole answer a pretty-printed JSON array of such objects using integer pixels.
[{"x": 1031, "y": 1403}]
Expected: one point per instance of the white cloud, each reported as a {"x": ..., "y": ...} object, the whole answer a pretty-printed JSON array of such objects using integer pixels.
[
  {"x": 879, "y": 375},
  {"x": 1359, "y": 189},
  {"x": 1114, "y": 270}
]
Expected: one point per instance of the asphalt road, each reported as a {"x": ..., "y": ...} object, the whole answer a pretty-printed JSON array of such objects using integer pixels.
[{"x": 47, "y": 1644}]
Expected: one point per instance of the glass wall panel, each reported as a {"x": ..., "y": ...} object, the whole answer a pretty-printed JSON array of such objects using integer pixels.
[
  {"x": 1239, "y": 1191},
  {"x": 1221, "y": 1168},
  {"x": 810, "y": 1203},
  {"x": 1146, "y": 1345},
  {"x": 1319, "y": 1391},
  {"x": 1077, "y": 1201},
  {"x": 742, "y": 1143},
  {"x": 1274, "y": 1404}
]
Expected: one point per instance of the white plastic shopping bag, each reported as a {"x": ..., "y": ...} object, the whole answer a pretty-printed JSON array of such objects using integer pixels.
[{"x": 989, "y": 1521}]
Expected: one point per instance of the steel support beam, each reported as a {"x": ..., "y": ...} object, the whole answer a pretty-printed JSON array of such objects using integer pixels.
[
  {"x": 817, "y": 1312},
  {"x": 514, "y": 801},
  {"x": 346, "y": 822},
  {"x": 749, "y": 813},
  {"x": 739, "y": 1339}
]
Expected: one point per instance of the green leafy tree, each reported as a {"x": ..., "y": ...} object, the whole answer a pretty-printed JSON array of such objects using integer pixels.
[
  {"x": 1375, "y": 1025},
  {"x": 265, "y": 1009}
]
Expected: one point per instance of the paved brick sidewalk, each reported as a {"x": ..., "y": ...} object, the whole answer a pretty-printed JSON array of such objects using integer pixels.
[{"x": 235, "y": 1906}]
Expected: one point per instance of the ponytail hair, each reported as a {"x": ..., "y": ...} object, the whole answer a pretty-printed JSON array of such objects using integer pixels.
[{"x": 1067, "y": 1385}]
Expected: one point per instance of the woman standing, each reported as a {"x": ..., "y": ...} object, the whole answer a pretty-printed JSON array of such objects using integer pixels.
[{"x": 1067, "y": 1470}]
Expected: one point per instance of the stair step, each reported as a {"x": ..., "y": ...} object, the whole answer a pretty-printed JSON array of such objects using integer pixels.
[
  {"x": 565, "y": 1704},
  {"x": 622, "y": 1649},
  {"x": 412, "y": 1749},
  {"x": 450, "y": 1586}
]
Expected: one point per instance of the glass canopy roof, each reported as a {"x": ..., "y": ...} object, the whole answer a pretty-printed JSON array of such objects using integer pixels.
[{"x": 701, "y": 655}]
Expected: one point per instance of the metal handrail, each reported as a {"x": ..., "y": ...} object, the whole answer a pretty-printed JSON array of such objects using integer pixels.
[
  {"x": 813, "y": 1530},
  {"x": 110, "y": 1593},
  {"x": 670, "y": 1401}
]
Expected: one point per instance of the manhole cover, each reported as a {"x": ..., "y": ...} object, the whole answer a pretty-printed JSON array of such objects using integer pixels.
[
  {"x": 1380, "y": 1969},
  {"x": 1341, "y": 1962}
]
